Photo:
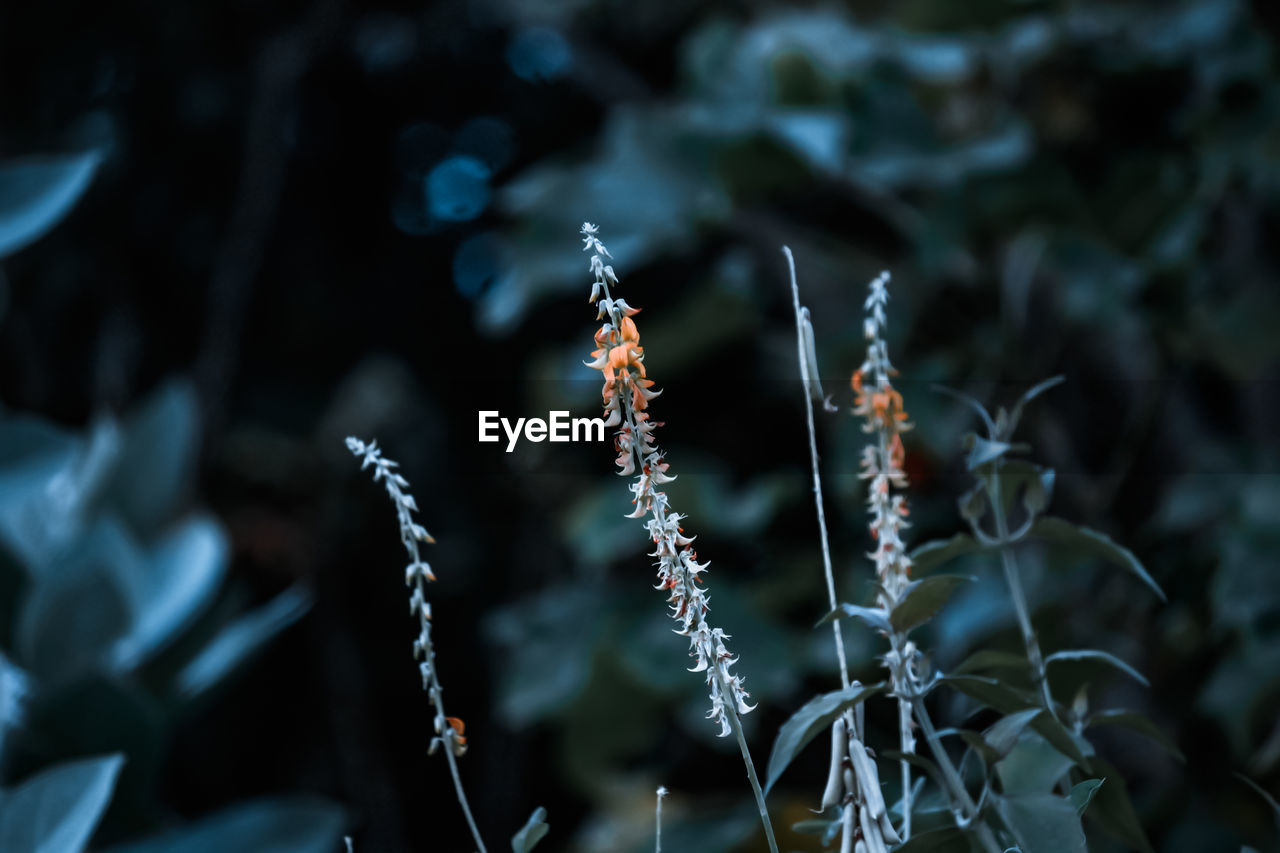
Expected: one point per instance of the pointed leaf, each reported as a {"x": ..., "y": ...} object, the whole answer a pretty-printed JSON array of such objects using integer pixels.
[
  {"x": 1042, "y": 823},
  {"x": 1113, "y": 810},
  {"x": 37, "y": 192},
  {"x": 1003, "y": 735},
  {"x": 873, "y": 617},
  {"x": 1032, "y": 767},
  {"x": 286, "y": 825},
  {"x": 971, "y": 403},
  {"x": 1139, "y": 723},
  {"x": 923, "y": 599},
  {"x": 1035, "y": 391},
  {"x": 534, "y": 830},
  {"x": 1104, "y": 657},
  {"x": 991, "y": 693},
  {"x": 930, "y": 555},
  {"x": 1082, "y": 794},
  {"x": 804, "y": 725},
  {"x": 240, "y": 639},
  {"x": 982, "y": 451},
  {"x": 990, "y": 659},
  {"x": 57, "y": 810},
  {"x": 1096, "y": 544}
]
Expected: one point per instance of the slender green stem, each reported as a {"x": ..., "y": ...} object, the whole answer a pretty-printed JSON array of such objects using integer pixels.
[
  {"x": 736, "y": 725},
  {"x": 1013, "y": 579},
  {"x": 657, "y": 821},
  {"x": 951, "y": 777},
  {"x": 462, "y": 796}
]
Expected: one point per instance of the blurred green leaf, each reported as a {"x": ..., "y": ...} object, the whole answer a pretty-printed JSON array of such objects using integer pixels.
[
  {"x": 240, "y": 639},
  {"x": 156, "y": 464},
  {"x": 36, "y": 193},
  {"x": 533, "y": 831},
  {"x": 285, "y": 825},
  {"x": 57, "y": 810},
  {"x": 804, "y": 725},
  {"x": 1095, "y": 544}
]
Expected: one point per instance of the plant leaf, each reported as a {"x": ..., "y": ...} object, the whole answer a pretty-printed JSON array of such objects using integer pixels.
[
  {"x": 986, "y": 659},
  {"x": 1139, "y": 723},
  {"x": 1032, "y": 767},
  {"x": 1042, "y": 823},
  {"x": 923, "y": 599},
  {"x": 285, "y": 825},
  {"x": 1033, "y": 392},
  {"x": 37, "y": 192},
  {"x": 1104, "y": 657},
  {"x": 982, "y": 451},
  {"x": 240, "y": 639},
  {"x": 873, "y": 617},
  {"x": 57, "y": 810},
  {"x": 805, "y": 724},
  {"x": 1096, "y": 544},
  {"x": 971, "y": 403},
  {"x": 991, "y": 693},
  {"x": 1082, "y": 794},
  {"x": 1112, "y": 808},
  {"x": 534, "y": 830},
  {"x": 934, "y": 553},
  {"x": 1002, "y": 737}
]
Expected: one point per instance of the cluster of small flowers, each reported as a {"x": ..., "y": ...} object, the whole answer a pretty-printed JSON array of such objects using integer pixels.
[
  {"x": 626, "y": 395},
  {"x": 416, "y": 576},
  {"x": 880, "y": 406}
]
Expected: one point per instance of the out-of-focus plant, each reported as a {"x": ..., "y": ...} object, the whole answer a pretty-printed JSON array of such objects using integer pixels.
[{"x": 108, "y": 593}]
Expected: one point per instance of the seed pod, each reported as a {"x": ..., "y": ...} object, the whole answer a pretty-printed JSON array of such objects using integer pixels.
[
  {"x": 831, "y": 794},
  {"x": 860, "y": 847},
  {"x": 847, "y": 830},
  {"x": 887, "y": 831},
  {"x": 868, "y": 779},
  {"x": 871, "y": 833}
]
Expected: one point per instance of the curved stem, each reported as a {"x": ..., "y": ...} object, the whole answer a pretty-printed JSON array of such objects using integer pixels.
[
  {"x": 955, "y": 785},
  {"x": 462, "y": 797}
]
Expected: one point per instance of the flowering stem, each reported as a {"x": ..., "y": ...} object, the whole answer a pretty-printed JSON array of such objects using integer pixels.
[
  {"x": 736, "y": 724},
  {"x": 462, "y": 800}
]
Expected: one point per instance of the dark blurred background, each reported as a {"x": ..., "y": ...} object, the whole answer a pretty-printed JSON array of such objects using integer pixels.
[{"x": 280, "y": 224}]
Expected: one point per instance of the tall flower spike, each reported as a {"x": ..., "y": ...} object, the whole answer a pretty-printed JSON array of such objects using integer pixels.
[
  {"x": 626, "y": 395},
  {"x": 448, "y": 730}
]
